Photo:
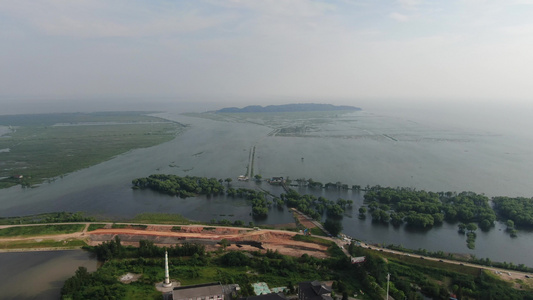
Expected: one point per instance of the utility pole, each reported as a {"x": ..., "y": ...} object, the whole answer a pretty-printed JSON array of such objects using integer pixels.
[{"x": 388, "y": 279}]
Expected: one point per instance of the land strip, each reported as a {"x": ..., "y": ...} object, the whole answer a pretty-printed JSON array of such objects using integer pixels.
[{"x": 239, "y": 238}]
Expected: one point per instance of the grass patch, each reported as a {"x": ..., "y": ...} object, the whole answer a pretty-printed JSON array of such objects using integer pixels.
[
  {"x": 137, "y": 291},
  {"x": 317, "y": 231},
  {"x": 93, "y": 227},
  {"x": 70, "y": 243},
  {"x": 156, "y": 218},
  {"x": 312, "y": 239},
  {"x": 526, "y": 285},
  {"x": 416, "y": 260},
  {"x": 40, "y": 230},
  {"x": 140, "y": 227},
  {"x": 119, "y": 226},
  {"x": 293, "y": 229}
]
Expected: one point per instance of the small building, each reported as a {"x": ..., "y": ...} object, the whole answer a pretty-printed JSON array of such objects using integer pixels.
[
  {"x": 206, "y": 291},
  {"x": 261, "y": 288},
  {"x": 276, "y": 180},
  {"x": 313, "y": 290},
  {"x": 357, "y": 260},
  {"x": 271, "y": 296}
]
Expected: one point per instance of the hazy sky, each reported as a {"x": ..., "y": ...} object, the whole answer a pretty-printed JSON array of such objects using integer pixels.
[{"x": 361, "y": 49}]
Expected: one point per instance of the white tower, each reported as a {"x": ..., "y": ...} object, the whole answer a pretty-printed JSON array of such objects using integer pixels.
[{"x": 166, "y": 283}]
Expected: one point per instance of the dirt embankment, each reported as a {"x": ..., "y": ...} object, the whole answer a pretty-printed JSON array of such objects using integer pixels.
[{"x": 239, "y": 238}]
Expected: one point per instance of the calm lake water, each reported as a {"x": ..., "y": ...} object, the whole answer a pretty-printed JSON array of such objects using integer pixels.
[
  {"x": 39, "y": 275},
  {"x": 436, "y": 150}
]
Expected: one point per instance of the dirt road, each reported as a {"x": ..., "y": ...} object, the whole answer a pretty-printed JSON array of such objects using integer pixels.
[{"x": 239, "y": 238}]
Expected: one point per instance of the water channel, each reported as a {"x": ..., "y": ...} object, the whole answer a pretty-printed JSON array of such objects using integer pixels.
[{"x": 39, "y": 275}]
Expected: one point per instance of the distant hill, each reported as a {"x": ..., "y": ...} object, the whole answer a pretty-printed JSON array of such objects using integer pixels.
[{"x": 287, "y": 108}]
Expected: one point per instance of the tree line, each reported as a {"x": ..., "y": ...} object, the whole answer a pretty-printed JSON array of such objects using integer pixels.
[
  {"x": 114, "y": 249},
  {"x": 400, "y": 205},
  {"x": 188, "y": 186},
  {"x": 519, "y": 210},
  {"x": 425, "y": 209}
]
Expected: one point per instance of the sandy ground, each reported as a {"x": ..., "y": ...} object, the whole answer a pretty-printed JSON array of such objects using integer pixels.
[{"x": 163, "y": 235}]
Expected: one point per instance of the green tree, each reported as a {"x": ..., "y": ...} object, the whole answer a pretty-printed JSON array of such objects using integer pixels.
[
  {"x": 234, "y": 258},
  {"x": 471, "y": 227},
  {"x": 396, "y": 218},
  {"x": 485, "y": 224},
  {"x": 462, "y": 227},
  {"x": 238, "y": 223},
  {"x": 334, "y": 227},
  {"x": 224, "y": 243},
  {"x": 510, "y": 224}
]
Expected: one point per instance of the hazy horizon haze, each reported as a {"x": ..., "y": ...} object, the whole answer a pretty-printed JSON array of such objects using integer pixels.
[{"x": 241, "y": 52}]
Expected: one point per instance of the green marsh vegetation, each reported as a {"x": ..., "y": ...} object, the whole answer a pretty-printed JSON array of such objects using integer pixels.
[
  {"x": 44, "y": 147},
  {"x": 93, "y": 227}
]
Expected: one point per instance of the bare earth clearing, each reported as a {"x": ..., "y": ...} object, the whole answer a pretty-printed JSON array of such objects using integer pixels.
[{"x": 239, "y": 238}]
